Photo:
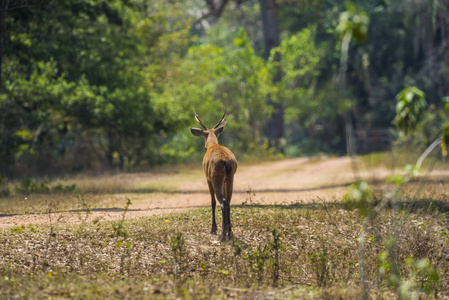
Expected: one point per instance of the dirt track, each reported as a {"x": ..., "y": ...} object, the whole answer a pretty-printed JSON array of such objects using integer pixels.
[{"x": 280, "y": 182}]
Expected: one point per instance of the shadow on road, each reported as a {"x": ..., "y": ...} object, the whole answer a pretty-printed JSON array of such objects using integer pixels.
[{"x": 440, "y": 180}]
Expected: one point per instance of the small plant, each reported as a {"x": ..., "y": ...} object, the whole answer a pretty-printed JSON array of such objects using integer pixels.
[
  {"x": 257, "y": 260},
  {"x": 119, "y": 227},
  {"x": 85, "y": 208},
  {"x": 48, "y": 254},
  {"x": 124, "y": 262},
  {"x": 29, "y": 186},
  {"x": 18, "y": 229},
  {"x": 359, "y": 196},
  {"x": 423, "y": 277},
  {"x": 237, "y": 246},
  {"x": 63, "y": 188},
  {"x": 409, "y": 108},
  {"x": 249, "y": 196},
  {"x": 177, "y": 245},
  {"x": 320, "y": 265},
  {"x": 276, "y": 246},
  {"x": 120, "y": 231}
]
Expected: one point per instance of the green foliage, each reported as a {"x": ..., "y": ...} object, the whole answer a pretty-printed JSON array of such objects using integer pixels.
[
  {"x": 211, "y": 79},
  {"x": 422, "y": 275},
  {"x": 360, "y": 197},
  {"x": 257, "y": 260},
  {"x": 410, "y": 172},
  {"x": 299, "y": 64},
  {"x": 119, "y": 231},
  {"x": 29, "y": 186},
  {"x": 177, "y": 244},
  {"x": 64, "y": 188},
  {"x": 95, "y": 84},
  {"x": 409, "y": 109},
  {"x": 353, "y": 22},
  {"x": 309, "y": 111},
  {"x": 32, "y": 186},
  {"x": 85, "y": 82}
]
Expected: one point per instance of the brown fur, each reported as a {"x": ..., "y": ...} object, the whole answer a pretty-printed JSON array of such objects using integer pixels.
[{"x": 219, "y": 165}]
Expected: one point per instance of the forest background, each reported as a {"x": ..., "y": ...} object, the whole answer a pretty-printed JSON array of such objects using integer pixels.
[{"x": 93, "y": 85}]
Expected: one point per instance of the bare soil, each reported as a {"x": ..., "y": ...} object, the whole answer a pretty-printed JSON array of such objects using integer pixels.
[{"x": 278, "y": 182}]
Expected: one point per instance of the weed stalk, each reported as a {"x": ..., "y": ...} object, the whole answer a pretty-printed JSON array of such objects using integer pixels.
[{"x": 177, "y": 244}]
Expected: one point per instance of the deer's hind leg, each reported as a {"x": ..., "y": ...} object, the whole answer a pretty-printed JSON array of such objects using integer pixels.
[
  {"x": 218, "y": 188},
  {"x": 229, "y": 185},
  {"x": 213, "y": 204}
]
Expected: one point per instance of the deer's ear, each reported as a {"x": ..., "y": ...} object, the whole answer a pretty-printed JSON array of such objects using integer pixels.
[
  {"x": 219, "y": 130},
  {"x": 197, "y": 132}
]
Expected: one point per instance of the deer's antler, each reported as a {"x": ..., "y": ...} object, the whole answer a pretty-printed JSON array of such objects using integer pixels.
[
  {"x": 197, "y": 118},
  {"x": 222, "y": 122}
]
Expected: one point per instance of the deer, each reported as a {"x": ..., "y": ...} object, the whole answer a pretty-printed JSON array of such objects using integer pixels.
[{"x": 219, "y": 165}]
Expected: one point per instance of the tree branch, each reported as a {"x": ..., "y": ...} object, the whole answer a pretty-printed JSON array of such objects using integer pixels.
[{"x": 214, "y": 10}]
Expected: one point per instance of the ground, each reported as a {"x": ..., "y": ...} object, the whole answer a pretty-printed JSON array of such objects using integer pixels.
[
  {"x": 293, "y": 236},
  {"x": 286, "y": 181}
]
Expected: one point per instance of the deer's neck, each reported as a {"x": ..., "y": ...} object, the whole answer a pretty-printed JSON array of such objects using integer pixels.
[{"x": 211, "y": 140}]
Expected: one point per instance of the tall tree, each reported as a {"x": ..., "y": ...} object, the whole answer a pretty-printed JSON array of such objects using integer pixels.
[
  {"x": 270, "y": 22},
  {"x": 3, "y": 10},
  {"x": 81, "y": 75},
  {"x": 270, "y": 27}
]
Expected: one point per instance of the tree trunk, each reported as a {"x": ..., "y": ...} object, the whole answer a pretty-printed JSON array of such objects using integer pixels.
[
  {"x": 270, "y": 25},
  {"x": 3, "y": 10}
]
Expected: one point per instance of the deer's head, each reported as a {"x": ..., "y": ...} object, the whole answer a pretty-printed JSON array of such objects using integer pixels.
[{"x": 210, "y": 135}]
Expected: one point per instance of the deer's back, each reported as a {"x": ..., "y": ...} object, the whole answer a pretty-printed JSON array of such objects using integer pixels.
[{"x": 219, "y": 162}]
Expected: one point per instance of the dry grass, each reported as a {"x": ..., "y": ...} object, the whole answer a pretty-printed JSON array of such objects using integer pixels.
[
  {"x": 93, "y": 192},
  {"x": 400, "y": 158},
  {"x": 175, "y": 256},
  {"x": 160, "y": 180},
  {"x": 302, "y": 250}
]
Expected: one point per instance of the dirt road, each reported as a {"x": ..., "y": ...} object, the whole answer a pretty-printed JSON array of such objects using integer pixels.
[{"x": 279, "y": 182}]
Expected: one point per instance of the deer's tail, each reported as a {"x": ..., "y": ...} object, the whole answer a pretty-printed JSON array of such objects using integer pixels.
[{"x": 228, "y": 168}]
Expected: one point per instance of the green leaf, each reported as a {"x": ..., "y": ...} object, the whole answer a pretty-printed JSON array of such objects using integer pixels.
[
  {"x": 238, "y": 41},
  {"x": 359, "y": 196},
  {"x": 409, "y": 109}
]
